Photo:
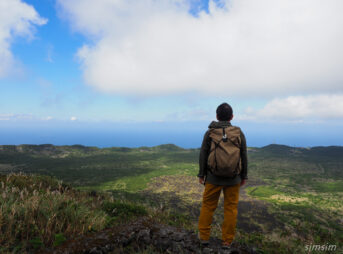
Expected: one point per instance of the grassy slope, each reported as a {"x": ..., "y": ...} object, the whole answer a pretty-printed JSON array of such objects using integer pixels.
[
  {"x": 38, "y": 212},
  {"x": 303, "y": 186}
]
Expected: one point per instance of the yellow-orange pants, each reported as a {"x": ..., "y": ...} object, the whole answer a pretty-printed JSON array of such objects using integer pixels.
[{"x": 209, "y": 205}]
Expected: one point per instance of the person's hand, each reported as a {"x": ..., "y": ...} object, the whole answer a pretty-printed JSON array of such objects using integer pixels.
[
  {"x": 202, "y": 180},
  {"x": 243, "y": 181}
]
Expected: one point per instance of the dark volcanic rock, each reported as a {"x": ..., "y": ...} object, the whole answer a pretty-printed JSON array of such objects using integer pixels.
[
  {"x": 144, "y": 236},
  {"x": 140, "y": 235}
]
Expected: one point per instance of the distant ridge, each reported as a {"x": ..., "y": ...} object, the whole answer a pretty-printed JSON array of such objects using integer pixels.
[
  {"x": 164, "y": 147},
  {"x": 311, "y": 152},
  {"x": 169, "y": 147},
  {"x": 285, "y": 147},
  {"x": 49, "y": 149},
  {"x": 46, "y": 148},
  {"x": 276, "y": 147}
]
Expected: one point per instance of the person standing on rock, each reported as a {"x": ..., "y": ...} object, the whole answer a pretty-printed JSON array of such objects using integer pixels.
[{"x": 222, "y": 166}]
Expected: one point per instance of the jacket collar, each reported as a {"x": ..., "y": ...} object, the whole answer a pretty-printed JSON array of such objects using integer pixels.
[{"x": 219, "y": 124}]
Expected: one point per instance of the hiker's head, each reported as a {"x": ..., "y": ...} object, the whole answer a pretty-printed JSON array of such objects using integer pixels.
[{"x": 224, "y": 112}]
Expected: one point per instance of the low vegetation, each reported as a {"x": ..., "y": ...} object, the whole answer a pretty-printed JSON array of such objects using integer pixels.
[
  {"x": 293, "y": 197},
  {"x": 40, "y": 211}
]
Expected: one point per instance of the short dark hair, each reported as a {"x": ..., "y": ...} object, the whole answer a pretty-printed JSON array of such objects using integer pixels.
[{"x": 224, "y": 112}]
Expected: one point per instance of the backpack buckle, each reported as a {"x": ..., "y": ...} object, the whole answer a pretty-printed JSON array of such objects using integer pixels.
[{"x": 224, "y": 135}]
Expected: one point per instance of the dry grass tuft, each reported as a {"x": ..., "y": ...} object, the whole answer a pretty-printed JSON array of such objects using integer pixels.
[{"x": 35, "y": 209}]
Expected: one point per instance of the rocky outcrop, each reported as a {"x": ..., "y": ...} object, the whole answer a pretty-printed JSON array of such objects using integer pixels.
[{"x": 141, "y": 235}]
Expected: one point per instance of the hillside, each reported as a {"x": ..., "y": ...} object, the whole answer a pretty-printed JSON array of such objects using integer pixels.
[
  {"x": 293, "y": 197},
  {"x": 39, "y": 214}
]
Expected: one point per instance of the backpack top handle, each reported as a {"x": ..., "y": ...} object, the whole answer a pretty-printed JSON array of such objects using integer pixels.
[{"x": 224, "y": 135}]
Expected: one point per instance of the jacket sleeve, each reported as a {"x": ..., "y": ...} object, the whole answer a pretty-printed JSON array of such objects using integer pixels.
[
  {"x": 204, "y": 151},
  {"x": 244, "y": 157}
]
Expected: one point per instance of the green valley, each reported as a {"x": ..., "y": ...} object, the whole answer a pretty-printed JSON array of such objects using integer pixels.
[{"x": 293, "y": 198}]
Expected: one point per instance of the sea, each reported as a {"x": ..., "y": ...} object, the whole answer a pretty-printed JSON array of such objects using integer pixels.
[{"x": 183, "y": 134}]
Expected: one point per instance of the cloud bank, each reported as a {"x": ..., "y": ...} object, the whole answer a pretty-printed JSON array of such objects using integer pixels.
[
  {"x": 16, "y": 19},
  {"x": 299, "y": 108},
  {"x": 243, "y": 47}
]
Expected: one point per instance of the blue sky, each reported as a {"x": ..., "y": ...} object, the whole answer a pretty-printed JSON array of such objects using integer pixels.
[{"x": 67, "y": 64}]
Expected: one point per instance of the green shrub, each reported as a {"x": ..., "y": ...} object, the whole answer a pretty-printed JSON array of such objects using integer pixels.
[
  {"x": 123, "y": 210},
  {"x": 36, "y": 243},
  {"x": 59, "y": 239}
]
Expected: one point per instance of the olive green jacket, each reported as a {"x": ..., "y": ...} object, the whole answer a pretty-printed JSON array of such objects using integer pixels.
[{"x": 204, "y": 152}]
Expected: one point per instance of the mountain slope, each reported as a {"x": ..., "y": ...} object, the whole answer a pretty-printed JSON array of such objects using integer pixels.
[{"x": 293, "y": 194}]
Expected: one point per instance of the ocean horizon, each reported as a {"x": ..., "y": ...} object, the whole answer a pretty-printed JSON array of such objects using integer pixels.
[{"x": 185, "y": 135}]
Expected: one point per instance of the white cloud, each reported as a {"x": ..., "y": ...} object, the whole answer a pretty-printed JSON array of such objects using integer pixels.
[
  {"x": 6, "y": 117},
  {"x": 48, "y": 118},
  {"x": 15, "y": 117},
  {"x": 73, "y": 118},
  {"x": 299, "y": 108},
  {"x": 49, "y": 54},
  {"x": 17, "y": 19},
  {"x": 249, "y": 47}
]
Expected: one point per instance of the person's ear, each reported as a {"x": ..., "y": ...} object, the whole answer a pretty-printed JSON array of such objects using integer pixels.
[
  {"x": 231, "y": 117},
  {"x": 217, "y": 117}
]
